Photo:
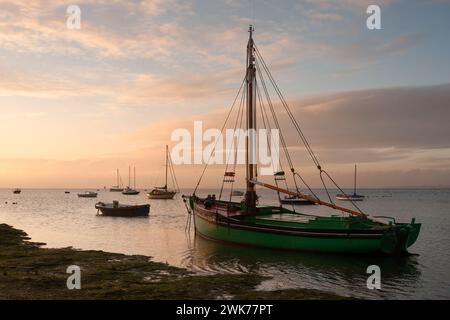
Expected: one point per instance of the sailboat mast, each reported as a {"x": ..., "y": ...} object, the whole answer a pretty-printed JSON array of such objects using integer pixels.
[
  {"x": 250, "y": 195},
  {"x": 134, "y": 178},
  {"x": 129, "y": 176},
  {"x": 167, "y": 163},
  {"x": 354, "y": 185},
  {"x": 117, "y": 178}
]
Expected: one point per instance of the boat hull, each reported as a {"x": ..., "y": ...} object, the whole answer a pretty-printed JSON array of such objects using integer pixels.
[
  {"x": 124, "y": 210},
  {"x": 87, "y": 196},
  {"x": 166, "y": 196},
  {"x": 130, "y": 193},
  {"x": 390, "y": 240},
  {"x": 296, "y": 202},
  {"x": 353, "y": 197}
]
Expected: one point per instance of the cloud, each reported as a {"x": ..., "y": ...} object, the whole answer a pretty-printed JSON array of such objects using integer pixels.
[
  {"x": 400, "y": 126},
  {"x": 345, "y": 4},
  {"x": 369, "y": 51},
  {"x": 399, "y": 136},
  {"x": 402, "y": 118},
  {"x": 169, "y": 61},
  {"x": 50, "y": 86},
  {"x": 39, "y": 27},
  {"x": 410, "y": 117}
]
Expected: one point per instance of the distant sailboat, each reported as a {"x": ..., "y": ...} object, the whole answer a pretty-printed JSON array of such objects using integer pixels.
[
  {"x": 352, "y": 197},
  {"x": 294, "y": 200},
  {"x": 164, "y": 192},
  {"x": 17, "y": 191},
  {"x": 119, "y": 186},
  {"x": 88, "y": 194},
  {"x": 128, "y": 190}
]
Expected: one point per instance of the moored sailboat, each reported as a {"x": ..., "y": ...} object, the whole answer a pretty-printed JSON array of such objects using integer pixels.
[
  {"x": 351, "y": 197},
  {"x": 128, "y": 191},
  {"x": 119, "y": 186},
  {"x": 247, "y": 223},
  {"x": 164, "y": 192}
]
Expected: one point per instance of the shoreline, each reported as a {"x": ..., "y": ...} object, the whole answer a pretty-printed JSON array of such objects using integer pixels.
[{"x": 30, "y": 272}]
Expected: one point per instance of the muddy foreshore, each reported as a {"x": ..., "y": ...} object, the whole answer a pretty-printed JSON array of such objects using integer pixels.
[{"x": 28, "y": 271}]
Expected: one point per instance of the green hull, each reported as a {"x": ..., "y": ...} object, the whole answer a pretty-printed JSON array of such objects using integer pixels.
[{"x": 321, "y": 234}]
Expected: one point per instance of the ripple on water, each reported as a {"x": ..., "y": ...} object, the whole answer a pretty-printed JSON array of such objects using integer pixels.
[{"x": 61, "y": 219}]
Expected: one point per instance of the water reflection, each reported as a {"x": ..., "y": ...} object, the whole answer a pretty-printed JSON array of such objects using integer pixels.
[
  {"x": 343, "y": 274},
  {"x": 60, "y": 220}
]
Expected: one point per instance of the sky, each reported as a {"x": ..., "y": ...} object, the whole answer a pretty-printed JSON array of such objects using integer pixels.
[{"x": 75, "y": 104}]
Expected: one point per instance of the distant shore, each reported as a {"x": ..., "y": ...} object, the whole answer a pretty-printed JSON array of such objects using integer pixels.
[{"x": 28, "y": 271}]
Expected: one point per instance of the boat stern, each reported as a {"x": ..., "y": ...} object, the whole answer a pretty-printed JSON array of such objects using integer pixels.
[
  {"x": 413, "y": 230},
  {"x": 401, "y": 237}
]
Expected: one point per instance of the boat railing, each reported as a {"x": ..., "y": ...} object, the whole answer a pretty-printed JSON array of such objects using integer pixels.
[{"x": 385, "y": 217}]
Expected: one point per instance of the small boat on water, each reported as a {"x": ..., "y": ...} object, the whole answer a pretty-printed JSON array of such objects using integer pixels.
[
  {"x": 250, "y": 223},
  {"x": 164, "y": 192},
  {"x": 66, "y": 192},
  {"x": 122, "y": 210},
  {"x": 17, "y": 191},
  {"x": 88, "y": 194},
  {"x": 351, "y": 197},
  {"x": 161, "y": 193},
  {"x": 294, "y": 200},
  {"x": 128, "y": 191},
  {"x": 119, "y": 186},
  {"x": 237, "y": 193}
]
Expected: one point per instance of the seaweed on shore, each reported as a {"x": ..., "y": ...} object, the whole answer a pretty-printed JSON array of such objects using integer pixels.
[{"x": 28, "y": 271}]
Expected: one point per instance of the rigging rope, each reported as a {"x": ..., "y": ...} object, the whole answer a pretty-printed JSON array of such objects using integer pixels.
[
  {"x": 285, "y": 105},
  {"x": 239, "y": 114},
  {"x": 266, "y": 124},
  {"x": 299, "y": 131},
  {"x": 172, "y": 173},
  {"x": 221, "y": 131},
  {"x": 261, "y": 69},
  {"x": 283, "y": 142}
]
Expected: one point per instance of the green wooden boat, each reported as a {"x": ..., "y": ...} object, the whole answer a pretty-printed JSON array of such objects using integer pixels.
[
  {"x": 280, "y": 228},
  {"x": 246, "y": 223}
]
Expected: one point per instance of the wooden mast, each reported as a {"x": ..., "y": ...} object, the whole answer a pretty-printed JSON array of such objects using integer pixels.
[
  {"x": 167, "y": 155},
  {"x": 129, "y": 176},
  {"x": 250, "y": 195},
  {"x": 354, "y": 185}
]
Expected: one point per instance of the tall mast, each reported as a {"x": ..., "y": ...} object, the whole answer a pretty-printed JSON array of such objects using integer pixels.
[
  {"x": 250, "y": 195},
  {"x": 167, "y": 163},
  {"x": 134, "y": 178},
  {"x": 354, "y": 185},
  {"x": 117, "y": 178},
  {"x": 129, "y": 176}
]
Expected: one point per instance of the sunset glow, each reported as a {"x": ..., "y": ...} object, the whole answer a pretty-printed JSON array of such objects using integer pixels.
[{"x": 77, "y": 104}]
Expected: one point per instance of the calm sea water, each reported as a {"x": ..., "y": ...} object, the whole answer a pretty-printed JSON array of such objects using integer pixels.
[{"x": 62, "y": 220}]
